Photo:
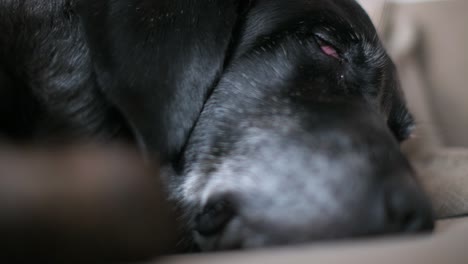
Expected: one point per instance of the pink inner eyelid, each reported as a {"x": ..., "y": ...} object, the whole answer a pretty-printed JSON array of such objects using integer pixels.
[{"x": 330, "y": 51}]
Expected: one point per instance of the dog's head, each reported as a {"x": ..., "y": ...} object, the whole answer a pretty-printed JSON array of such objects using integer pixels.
[{"x": 300, "y": 139}]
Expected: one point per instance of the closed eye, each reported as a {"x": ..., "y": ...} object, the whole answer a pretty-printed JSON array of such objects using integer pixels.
[
  {"x": 330, "y": 51},
  {"x": 327, "y": 48}
]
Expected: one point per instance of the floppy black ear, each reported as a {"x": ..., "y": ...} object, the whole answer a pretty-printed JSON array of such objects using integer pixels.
[{"x": 158, "y": 60}]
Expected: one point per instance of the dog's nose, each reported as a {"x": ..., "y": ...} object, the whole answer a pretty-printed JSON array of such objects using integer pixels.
[
  {"x": 214, "y": 217},
  {"x": 407, "y": 211}
]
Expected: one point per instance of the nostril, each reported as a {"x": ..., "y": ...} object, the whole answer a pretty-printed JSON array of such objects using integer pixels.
[
  {"x": 214, "y": 217},
  {"x": 408, "y": 211}
]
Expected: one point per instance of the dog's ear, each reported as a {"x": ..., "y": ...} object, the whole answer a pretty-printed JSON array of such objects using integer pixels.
[
  {"x": 15, "y": 124},
  {"x": 158, "y": 60}
]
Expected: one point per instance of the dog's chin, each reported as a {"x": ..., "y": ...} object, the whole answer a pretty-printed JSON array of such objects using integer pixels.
[
  {"x": 229, "y": 239},
  {"x": 237, "y": 237}
]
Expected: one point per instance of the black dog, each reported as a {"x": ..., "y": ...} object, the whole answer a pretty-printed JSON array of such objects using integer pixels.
[{"x": 279, "y": 121}]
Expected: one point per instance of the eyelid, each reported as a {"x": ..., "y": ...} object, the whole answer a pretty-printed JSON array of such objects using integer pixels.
[
  {"x": 319, "y": 36},
  {"x": 328, "y": 46},
  {"x": 330, "y": 51}
]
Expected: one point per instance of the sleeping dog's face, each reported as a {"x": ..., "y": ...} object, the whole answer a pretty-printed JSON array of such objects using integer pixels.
[{"x": 300, "y": 139}]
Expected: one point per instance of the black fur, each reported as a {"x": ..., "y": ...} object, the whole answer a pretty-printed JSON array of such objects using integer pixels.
[
  {"x": 160, "y": 63},
  {"x": 49, "y": 90}
]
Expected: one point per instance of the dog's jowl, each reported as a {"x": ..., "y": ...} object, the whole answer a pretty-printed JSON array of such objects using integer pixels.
[{"x": 277, "y": 121}]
